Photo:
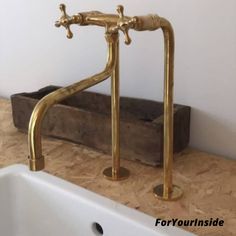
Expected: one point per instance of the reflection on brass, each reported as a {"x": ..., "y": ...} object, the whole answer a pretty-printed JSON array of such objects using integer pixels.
[
  {"x": 175, "y": 194},
  {"x": 109, "y": 173},
  {"x": 113, "y": 23}
]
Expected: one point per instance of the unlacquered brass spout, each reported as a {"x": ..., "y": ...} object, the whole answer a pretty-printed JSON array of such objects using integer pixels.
[{"x": 36, "y": 159}]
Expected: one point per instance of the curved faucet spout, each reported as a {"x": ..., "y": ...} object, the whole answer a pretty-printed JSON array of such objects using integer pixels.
[{"x": 36, "y": 159}]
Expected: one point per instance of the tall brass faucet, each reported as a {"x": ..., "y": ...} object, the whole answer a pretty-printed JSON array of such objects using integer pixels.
[{"x": 113, "y": 23}]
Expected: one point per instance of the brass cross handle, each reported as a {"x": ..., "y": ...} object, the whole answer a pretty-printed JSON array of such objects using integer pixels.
[
  {"x": 66, "y": 21},
  {"x": 124, "y": 24}
]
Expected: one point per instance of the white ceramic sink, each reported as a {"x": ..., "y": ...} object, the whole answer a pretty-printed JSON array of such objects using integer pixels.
[{"x": 39, "y": 204}]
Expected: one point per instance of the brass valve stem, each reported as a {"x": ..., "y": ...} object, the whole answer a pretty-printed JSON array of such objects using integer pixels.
[{"x": 115, "y": 172}]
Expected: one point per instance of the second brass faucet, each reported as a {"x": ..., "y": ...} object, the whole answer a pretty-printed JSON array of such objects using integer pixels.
[{"x": 113, "y": 23}]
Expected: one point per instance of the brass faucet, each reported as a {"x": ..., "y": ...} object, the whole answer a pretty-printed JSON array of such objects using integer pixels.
[{"x": 113, "y": 23}]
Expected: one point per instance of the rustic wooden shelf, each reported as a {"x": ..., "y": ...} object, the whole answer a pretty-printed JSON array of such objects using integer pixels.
[{"x": 86, "y": 118}]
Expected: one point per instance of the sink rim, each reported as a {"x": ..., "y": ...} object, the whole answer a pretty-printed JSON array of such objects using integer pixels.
[{"x": 131, "y": 215}]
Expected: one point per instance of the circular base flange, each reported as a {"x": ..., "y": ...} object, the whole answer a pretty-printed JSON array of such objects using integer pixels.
[
  {"x": 123, "y": 174},
  {"x": 176, "y": 193}
]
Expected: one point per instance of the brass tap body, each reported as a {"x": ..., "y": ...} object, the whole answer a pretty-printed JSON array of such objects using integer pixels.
[{"x": 113, "y": 23}]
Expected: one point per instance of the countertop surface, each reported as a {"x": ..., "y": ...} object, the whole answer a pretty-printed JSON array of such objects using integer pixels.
[{"x": 208, "y": 181}]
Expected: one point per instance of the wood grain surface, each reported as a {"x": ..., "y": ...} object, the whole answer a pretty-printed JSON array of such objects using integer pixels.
[{"x": 208, "y": 181}]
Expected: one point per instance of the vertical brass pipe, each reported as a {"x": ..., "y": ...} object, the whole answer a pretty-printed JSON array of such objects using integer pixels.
[
  {"x": 168, "y": 111},
  {"x": 168, "y": 191},
  {"x": 116, "y": 172},
  {"x": 115, "y": 115}
]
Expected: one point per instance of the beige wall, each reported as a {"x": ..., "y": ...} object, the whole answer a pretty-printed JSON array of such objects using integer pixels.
[{"x": 33, "y": 54}]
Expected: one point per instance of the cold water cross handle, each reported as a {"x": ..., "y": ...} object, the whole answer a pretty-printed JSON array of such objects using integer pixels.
[{"x": 66, "y": 21}]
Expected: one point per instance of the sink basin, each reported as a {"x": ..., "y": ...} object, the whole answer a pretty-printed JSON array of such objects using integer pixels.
[{"x": 39, "y": 204}]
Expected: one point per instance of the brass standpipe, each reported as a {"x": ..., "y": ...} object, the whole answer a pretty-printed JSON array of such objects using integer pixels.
[{"x": 113, "y": 23}]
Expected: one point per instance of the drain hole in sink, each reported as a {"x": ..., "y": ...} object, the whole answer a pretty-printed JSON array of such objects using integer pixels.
[{"x": 97, "y": 229}]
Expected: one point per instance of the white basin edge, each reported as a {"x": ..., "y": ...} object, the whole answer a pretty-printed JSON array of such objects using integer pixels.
[{"x": 131, "y": 215}]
